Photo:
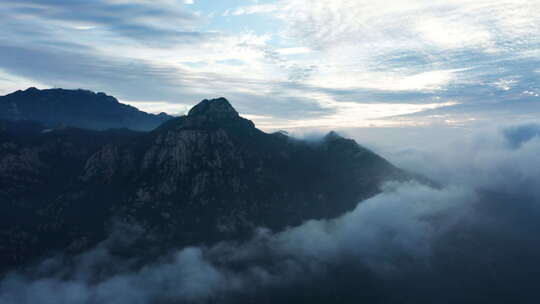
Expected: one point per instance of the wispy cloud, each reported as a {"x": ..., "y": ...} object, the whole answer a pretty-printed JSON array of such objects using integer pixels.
[
  {"x": 253, "y": 9},
  {"x": 159, "y": 22},
  {"x": 464, "y": 51}
]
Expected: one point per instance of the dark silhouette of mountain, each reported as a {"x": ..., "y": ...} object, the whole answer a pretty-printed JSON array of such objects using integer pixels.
[
  {"x": 77, "y": 108},
  {"x": 196, "y": 179}
]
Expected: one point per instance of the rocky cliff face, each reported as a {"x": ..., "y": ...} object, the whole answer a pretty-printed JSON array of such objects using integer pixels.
[
  {"x": 76, "y": 108},
  {"x": 200, "y": 178}
]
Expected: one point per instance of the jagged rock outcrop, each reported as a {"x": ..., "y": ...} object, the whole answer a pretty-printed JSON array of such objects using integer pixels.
[
  {"x": 76, "y": 108},
  {"x": 200, "y": 178}
]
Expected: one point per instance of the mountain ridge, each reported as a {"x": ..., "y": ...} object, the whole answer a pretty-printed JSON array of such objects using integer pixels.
[
  {"x": 200, "y": 178},
  {"x": 76, "y": 108}
]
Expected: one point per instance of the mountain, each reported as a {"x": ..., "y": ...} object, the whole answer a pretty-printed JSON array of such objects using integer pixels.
[
  {"x": 76, "y": 108},
  {"x": 197, "y": 179}
]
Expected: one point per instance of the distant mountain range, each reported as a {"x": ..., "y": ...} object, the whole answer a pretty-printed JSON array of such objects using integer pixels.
[
  {"x": 76, "y": 108},
  {"x": 196, "y": 179}
]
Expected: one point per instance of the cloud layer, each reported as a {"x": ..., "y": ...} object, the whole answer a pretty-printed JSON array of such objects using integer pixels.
[{"x": 326, "y": 58}]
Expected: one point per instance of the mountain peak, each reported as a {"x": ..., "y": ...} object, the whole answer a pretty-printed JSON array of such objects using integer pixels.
[
  {"x": 216, "y": 108},
  {"x": 32, "y": 89},
  {"x": 333, "y": 135}
]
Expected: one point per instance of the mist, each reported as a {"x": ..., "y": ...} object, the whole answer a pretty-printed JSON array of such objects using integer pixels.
[{"x": 471, "y": 240}]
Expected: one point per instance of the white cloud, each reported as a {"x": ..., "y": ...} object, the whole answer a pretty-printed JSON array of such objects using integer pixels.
[
  {"x": 294, "y": 50},
  {"x": 453, "y": 33},
  {"x": 255, "y": 9},
  {"x": 505, "y": 84},
  {"x": 462, "y": 23}
]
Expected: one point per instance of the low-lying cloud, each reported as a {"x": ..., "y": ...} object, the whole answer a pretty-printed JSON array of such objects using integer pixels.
[{"x": 473, "y": 240}]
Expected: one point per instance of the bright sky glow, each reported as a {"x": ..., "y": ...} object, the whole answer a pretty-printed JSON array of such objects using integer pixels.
[{"x": 285, "y": 63}]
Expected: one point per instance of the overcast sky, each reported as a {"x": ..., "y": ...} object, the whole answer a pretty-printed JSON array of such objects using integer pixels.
[{"x": 286, "y": 63}]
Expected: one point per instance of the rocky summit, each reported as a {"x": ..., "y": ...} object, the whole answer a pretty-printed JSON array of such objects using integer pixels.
[{"x": 207, "y": 176}]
